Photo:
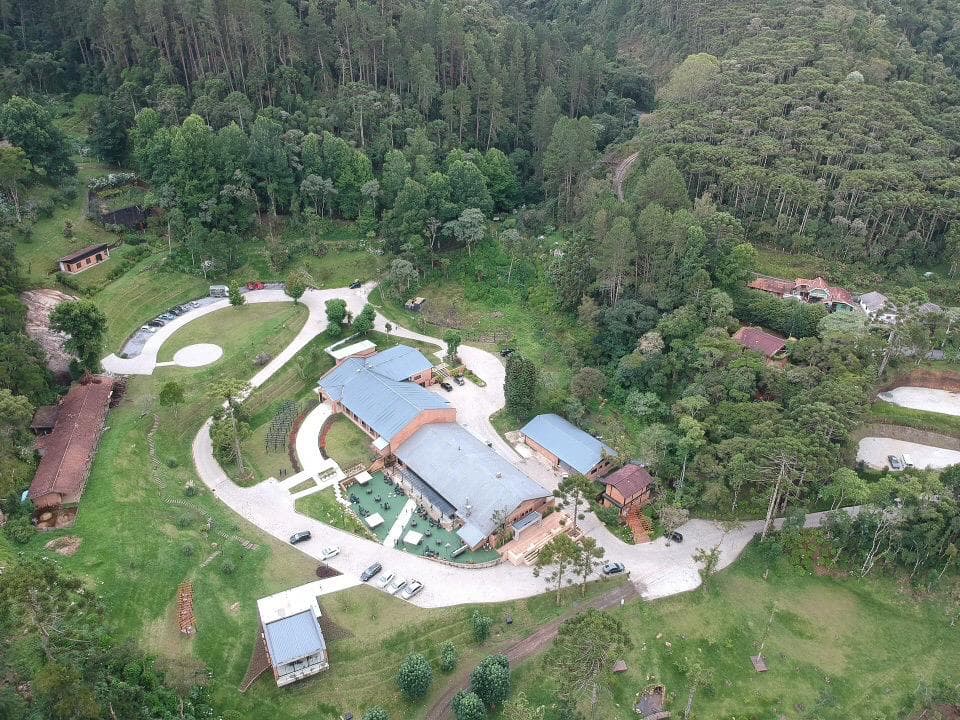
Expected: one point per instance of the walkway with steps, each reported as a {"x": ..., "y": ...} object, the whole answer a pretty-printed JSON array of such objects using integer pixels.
[{"x": 640, "y": 525}]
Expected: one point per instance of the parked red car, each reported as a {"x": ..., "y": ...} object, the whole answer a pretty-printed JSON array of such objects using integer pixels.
[{"x": 255, "y": 285}]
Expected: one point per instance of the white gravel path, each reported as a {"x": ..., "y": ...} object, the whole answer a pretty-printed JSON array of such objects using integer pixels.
[
  {"x": 921, "y": 398},
  {"x": 658, "y": 569},
  {"x": 874, "y": 451}
]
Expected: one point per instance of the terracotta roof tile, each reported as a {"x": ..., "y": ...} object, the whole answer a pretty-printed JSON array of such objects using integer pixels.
[
  {"x": 754, "y": 338},
  {"x": 631, "y": 479},
  {"x": 69, "y": 449}
]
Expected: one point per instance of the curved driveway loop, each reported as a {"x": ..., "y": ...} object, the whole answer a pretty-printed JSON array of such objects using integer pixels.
[{"x": 656, "y": 568}]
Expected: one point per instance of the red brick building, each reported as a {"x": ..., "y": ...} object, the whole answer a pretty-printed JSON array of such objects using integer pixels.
[
  {"x": 627, "y": 487},
  {"x": 84, "y": 259},
  {"x": 67, "y": 452}
]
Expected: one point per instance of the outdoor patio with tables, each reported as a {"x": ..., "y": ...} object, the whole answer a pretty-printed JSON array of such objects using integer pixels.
[
  {"x": 435, "y": 539},
  {"x": 421, "y": 536},
  {"x": 378, "y": 496}
]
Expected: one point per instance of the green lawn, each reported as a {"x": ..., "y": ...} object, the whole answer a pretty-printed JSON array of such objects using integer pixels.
[
  {"x": 141, "y": 294},
  {"x": 384, "y": 342},
  {"x": 137, "y": 549},
  {"x": 885, "y": 412},
  {"x": 344, "y": 261},
  {"x": 382, "y": 630},
  {"x": 231, "y": 328},
  {"x": 836, "y": 648},
  {"x": 46, "y": 244},
  {"x": 347, "y": 444},
  {"x": 323, "y": 506},
  {"x": 489, "y": 312}
]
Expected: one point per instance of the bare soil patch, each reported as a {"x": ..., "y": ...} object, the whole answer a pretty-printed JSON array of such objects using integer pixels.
[
  {"x": 928, "y": 378},
  {"x": 40, "y": 303},
  {"x": 938, "y": 712},
  {"x": 66, "y": 545}
]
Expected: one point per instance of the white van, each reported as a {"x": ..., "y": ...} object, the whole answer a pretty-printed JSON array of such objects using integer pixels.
[{"x": 907, "y": 460}]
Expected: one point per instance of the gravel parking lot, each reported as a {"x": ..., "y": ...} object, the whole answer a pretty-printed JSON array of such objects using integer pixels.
[
  {"x": 874, "y": 451},
  {"x": 920, "y": 398}
]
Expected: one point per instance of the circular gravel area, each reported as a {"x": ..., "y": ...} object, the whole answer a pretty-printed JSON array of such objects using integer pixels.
[{"x": 197, "y": 355}]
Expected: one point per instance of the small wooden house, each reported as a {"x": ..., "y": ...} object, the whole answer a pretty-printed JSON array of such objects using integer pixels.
[
  {"x": 627, "y": 487},
  {"x": 85, "y": 258}
]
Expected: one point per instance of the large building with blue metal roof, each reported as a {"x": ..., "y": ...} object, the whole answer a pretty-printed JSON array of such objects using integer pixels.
[
  {"x": 384, "y": 396},
  {"x": 460, "y": 481}
]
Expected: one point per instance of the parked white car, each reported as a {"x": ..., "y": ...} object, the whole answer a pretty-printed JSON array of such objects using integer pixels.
[
  {"x": 411, "y": 589},
  {"x": 385, "y": 580},
  {"x": 329, "y": 552},
  {"x": 148, "y": 329},
  {"x": 396, "y": 585}
]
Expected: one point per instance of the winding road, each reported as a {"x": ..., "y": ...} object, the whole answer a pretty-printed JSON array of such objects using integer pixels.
[
  {"x": 621, "y": 172},
  {"x": 657, "y": 569}
]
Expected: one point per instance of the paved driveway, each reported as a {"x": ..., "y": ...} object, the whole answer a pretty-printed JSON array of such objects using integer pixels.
[{"x": 657, "y": 569}]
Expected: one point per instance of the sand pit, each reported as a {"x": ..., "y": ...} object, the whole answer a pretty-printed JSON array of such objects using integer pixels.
[
  {"x": 921, "y": 398},
  {"x": 874, "y": 451},
  {"x": 197, "y": 355}
]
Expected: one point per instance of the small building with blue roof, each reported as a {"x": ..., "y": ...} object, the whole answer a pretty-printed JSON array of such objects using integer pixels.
[{"x": 566, "y": 446}]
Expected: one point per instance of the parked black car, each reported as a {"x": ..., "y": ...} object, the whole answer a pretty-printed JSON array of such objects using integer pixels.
[
  {"x": 355, "y": 285},
  {"x": 157, "y": 322},
  {"x": 675, "y": 537},
  {"x": 446, "y": 386},
  {"x": 371, "y": 571},
  {"x": 613, "y": 568},
  {"x": 506, "y": 351},
  {"x": 300, "y": 537}
]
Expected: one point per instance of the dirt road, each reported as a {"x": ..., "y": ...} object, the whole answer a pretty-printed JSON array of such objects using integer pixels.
[
  {"x": 529, "y": 646},
  {"x": 621, "y": 173}
]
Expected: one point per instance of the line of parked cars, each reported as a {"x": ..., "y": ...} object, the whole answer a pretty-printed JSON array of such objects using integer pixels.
[
  {"x": 171, "y": 314},
  {"x": 390, "y": 583}
]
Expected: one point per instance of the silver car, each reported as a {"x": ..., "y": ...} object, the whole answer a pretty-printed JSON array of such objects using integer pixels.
[
  {"x": 385, "y": 580},
  {"x": 396, "y": 586},
  {"x": 411, "y": 589}
]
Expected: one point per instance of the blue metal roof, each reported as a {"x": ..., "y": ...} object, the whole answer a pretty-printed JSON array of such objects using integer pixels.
[
  {"x": 399, "y": 362},
  {"x": 385, "y": 404},
  {"x": 294, "y": 637},
  {"x": 470, "y": 476},
  {"x": 580, "y": 450}
]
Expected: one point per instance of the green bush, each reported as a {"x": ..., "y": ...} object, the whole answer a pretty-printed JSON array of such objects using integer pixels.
[
  {"x": 490, "y": 680},
  {"x": 448, "y": 657},
  {"x": 19, "y": 530},
  {"x": 415, "y": 676},
  {"x": 172, "y": 462},
  {"x": 188, "y": 550},
  {"x": 376, "y": 713},
  {"x": 481, "y": 626},
  {"x": 468, "y": 706}
]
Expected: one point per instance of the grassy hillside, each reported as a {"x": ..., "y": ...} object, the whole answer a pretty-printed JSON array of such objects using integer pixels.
[{"x": 836, "y": 647}]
